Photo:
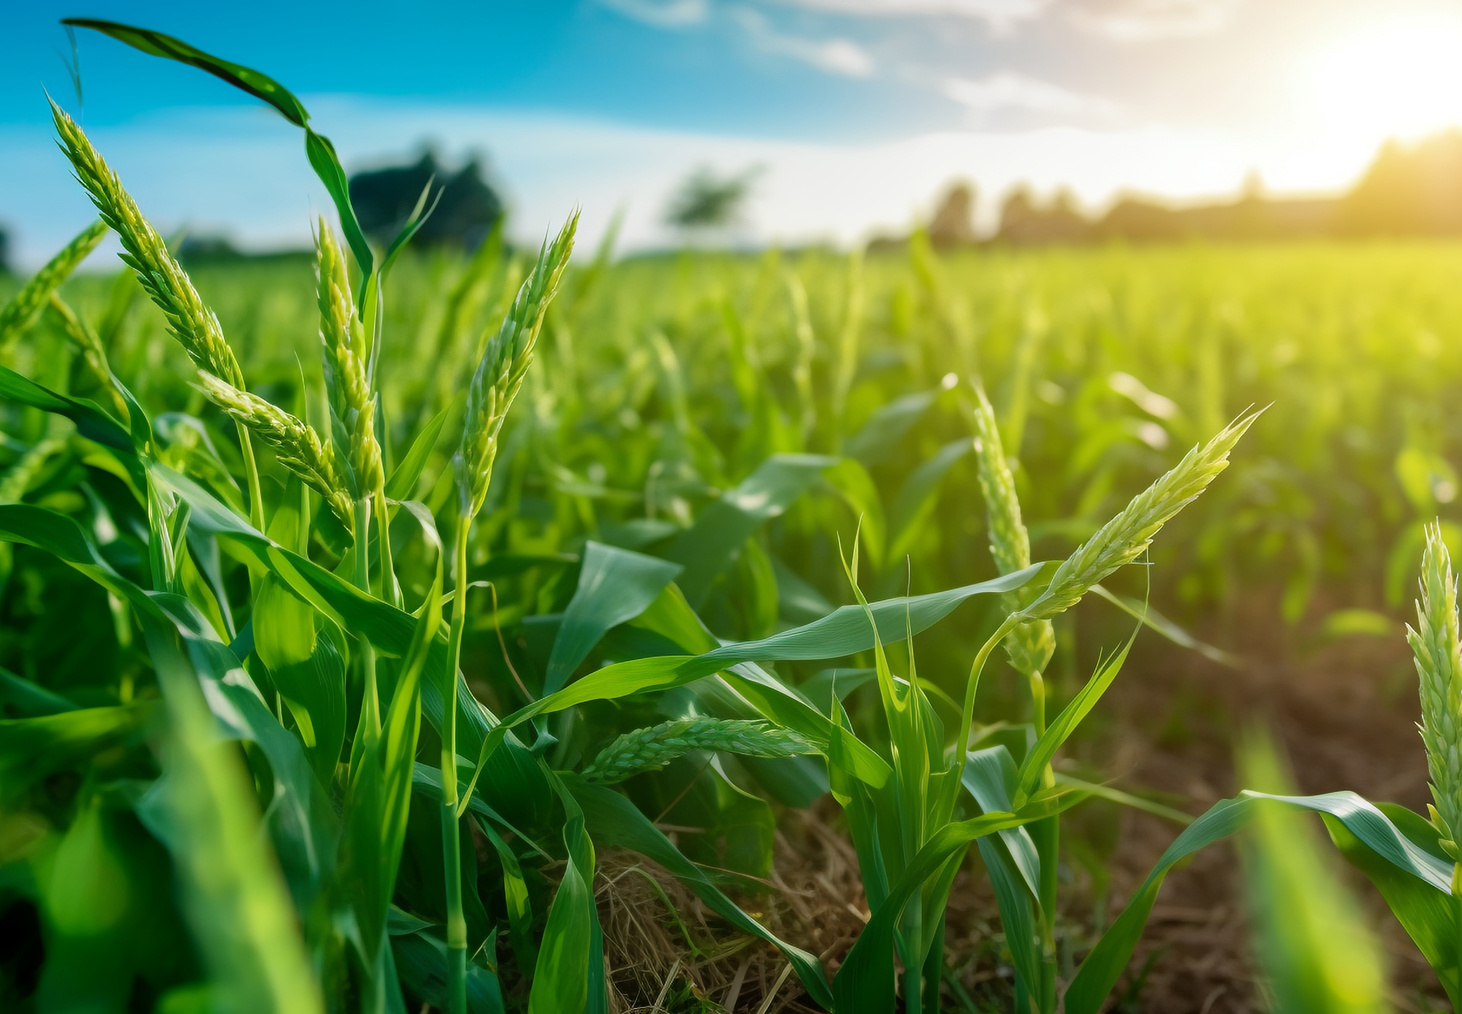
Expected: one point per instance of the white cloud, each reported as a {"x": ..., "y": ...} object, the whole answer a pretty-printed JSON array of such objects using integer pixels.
[
  {"x": 1000, "y": 14},
  {"x": 662, "y": 13},
  {"x": 836, "y": 56},
  {"x": 1146, "y": 20},
  {"x": 1005, "y": 90}
]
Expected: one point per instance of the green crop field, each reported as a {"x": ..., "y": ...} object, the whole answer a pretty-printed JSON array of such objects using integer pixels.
[{"x": 540, "y": 630}]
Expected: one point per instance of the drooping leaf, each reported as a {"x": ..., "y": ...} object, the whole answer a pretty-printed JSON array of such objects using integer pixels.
[
  {"x": 1428, "y": 914},
  {"x": 318, "y": 148},
  {"x": 843, "y": 632}
]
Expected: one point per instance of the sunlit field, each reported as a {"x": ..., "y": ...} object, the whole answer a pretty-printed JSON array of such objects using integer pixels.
[
  {"x": 934, "y": 624},
  {"x": 790, "y": 397}
]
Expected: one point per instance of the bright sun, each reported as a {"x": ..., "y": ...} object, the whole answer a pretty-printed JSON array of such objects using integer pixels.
[{"x": 1401, "y": 79}]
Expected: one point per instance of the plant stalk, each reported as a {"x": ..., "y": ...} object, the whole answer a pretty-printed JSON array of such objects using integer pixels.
[
  {"x": 251, "y": 472},
  {"x": 390, "y": 587},
  {"x": 1047, "y": 838},
  {"x": 370, "y": 693},
  {"x": 451, "y": 844}
]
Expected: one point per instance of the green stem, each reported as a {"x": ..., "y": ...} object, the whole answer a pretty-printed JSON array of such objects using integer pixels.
[
  {"x": 390, "y": 588},
  {"x": 451, "y": 844},
  {"x": 1047, "y": 838},
  {"x": 1457, "y": 917},
  {"x": 251, "y": 472},
  {"x": 934, "y": 970},
  {"x": 370, "y": 696},
  {"x": 362, "y": 575}
]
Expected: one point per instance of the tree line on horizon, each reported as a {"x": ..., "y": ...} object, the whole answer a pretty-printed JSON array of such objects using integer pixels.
[{"x": 1409, "y": 190}]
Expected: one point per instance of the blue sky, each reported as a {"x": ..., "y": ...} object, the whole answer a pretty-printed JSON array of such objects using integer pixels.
[{"x": 857, "y": 110}]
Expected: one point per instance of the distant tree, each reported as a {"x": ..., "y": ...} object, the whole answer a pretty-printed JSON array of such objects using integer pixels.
[
  {"x": 1016, "y": 212},
  {"x": 1023, "y": 221},
  {"x": 1409, "y": 190},
  {"x": 953, "y": 223},
  {"x": 1140, "y": 221},
  {"x": 705, "y": 201},
  {"x": 206, "y": 248},
  {"x": 465, "y": 213},
  {"x": 4, "y": 252}
]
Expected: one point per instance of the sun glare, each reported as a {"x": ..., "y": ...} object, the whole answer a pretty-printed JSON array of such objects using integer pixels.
[{"x": 1391, "y": 80}]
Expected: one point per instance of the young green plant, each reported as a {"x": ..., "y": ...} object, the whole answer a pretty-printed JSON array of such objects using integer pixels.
[{"x": 495, "y": 384}]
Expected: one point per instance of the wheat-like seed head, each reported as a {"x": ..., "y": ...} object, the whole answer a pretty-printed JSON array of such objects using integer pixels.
[
  {"x": 22, "y": 310},
  {"x": 1437, "y": 648},
  {"x": 191, "y": 323},
  {"x": 296, "y": 444},
  {"x": 1029, "y": 645},
  {"x": 1126, "y": 537},
  {"x": 343, "y": 340},
  {"x": 652, "y": 748},
  {"x": 505, "y": 361}
]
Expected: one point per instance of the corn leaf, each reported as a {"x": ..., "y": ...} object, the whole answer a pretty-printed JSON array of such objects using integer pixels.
[
  {"x": 1102, "y": 967},
  {"x": 916, "y": 496},
  {"x": 1427, "y": 913},
  {"x": 567, "y": 976},
  {"x": 32, "y": 748},
  {"x": 421, "y": 964},
  {"x": 888, "y": 425},
  {"x": 235, "y": 902},
  {"x": 31, "y": 699},
  {"x": 707, "y": 548},
  {"x": 91, "y": 422},
  {"x": 615, "y": 586}
]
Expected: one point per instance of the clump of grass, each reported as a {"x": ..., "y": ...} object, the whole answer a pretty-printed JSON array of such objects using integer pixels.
[
  {"x": 1437, "y": 647},
  {"x": 653, "y": 748}
]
